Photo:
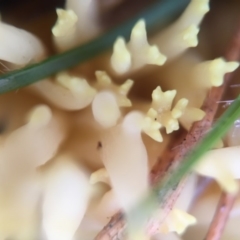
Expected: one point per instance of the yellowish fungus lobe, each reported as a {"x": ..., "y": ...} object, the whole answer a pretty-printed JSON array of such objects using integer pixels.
[
  {"x": 87, "y": 12},
  {"x": 191, "y": 115},
  {"x": 103, "y": 79},
  {"x": 124, "y": 153},
  {"x": 218, "y": 68},
  {"x": 100, "y": 175},
  {"x": 195, "y": 12},
  {"x": 104, "y": 82},
  {"x": 66, "y": 23},
  {"x": 189, "y": 35},
  {"x": 76, "y": 24},
  {"x": 107, "y": 102},
  {"x": 76, "y": 85},
  {"x": 121, "y": 58},
  {"x": 162, "y": 109},
  {"x": 66, "y": 92},
  {"x": 152, "y": 127},
  {"x": 105, "y": 109},
  {"x": 39, "y": 116},
  {"x": 142, "y": 52},
  {"x": 214, "y": 70},
  {"x": 177, "y": 221},
  {"x": 65, "y": 30},
  {"x": 136, "y": 53},
  {"x": 222, "y": 165},
  {"x": 182, "y": 34}
]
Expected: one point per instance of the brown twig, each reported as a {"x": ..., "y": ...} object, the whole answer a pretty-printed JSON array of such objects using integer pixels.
[
  {"x": 221, "y": 216},
  {"x": 174, "y": 154}
]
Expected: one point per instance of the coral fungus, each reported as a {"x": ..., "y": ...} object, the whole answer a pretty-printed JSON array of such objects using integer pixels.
[{"x": 77, "y": 148}]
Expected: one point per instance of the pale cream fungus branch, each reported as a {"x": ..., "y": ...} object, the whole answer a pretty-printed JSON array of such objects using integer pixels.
[
  {"x": 65, "y": 198},
  {"x": 137, "y": 53},
  {"x": 199, "y": 76},
  {"x": 223, "y": 164},
  {"x": 162, "y": 110},
  {"x": 19, "y": 178},
  {"x": 43, "y": 128},
  {"x": 110, "y": 97},
  {"x": 214, "y": 71},
  {"x": 19, "y": 47},
  {"x": 76, "y": 24},
  {"x": 182, "y": 34},
  {"x": 65, "y": 30},
  {"x": 67, "y": 92}
]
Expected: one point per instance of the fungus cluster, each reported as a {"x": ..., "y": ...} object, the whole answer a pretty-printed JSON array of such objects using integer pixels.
[{"x": 76, "y": 149}]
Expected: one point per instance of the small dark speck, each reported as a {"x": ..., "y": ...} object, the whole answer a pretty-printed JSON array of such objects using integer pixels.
[
  {"x": 110, "y": 225},
  {"x": 99, "y": 145}
]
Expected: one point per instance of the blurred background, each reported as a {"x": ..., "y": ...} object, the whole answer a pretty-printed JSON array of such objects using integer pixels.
[{"x": 39, "y": 16}]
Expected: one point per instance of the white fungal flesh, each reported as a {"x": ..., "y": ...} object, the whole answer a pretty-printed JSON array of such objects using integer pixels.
[
  {"x": 19, "y": 216},
  {"x": 19, "y": 46},
  {"x": 65, "y": 199},
  {"x": 105, "y": 109},
  {"x": 124, "y": 153},
  {"x": 43, "y": 131}
]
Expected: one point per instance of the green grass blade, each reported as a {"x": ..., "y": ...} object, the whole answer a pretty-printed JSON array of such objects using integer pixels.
[
  {"x": 148, "y": 206},
  {"x": 160, "y": 14}
]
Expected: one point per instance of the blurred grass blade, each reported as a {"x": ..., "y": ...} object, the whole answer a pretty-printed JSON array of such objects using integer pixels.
[
  {"x": 158, "y": 15},
  {"x": 139, "y": 215}
]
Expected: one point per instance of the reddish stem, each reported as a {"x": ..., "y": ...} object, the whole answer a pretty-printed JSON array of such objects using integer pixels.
[{"x": 221, "y": 216}]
